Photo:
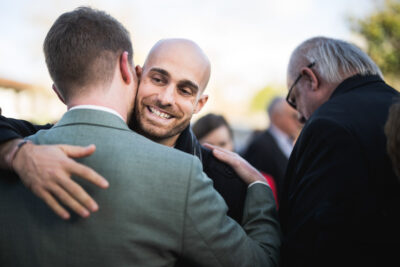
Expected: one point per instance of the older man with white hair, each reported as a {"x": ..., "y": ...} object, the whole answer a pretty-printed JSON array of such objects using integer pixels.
[{"x": 341, "y": 201}]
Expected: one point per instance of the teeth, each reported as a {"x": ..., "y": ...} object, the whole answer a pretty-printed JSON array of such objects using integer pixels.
[{"x": 159, "y": 114}]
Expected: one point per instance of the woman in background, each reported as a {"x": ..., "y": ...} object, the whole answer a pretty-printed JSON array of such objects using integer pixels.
[{"x": 215, "y": 130}]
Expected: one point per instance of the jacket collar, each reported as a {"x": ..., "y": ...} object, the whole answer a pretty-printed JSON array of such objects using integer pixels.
[
  {"x": 187, "y": 142},
  {"x": 92, "y": 117},
  {"x": 355, "y": 82}
]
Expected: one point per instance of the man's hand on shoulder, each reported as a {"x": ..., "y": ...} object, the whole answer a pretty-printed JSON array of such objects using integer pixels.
[
  {"x": 246, "y": 172},
  {"x": 47, "y": 171}
]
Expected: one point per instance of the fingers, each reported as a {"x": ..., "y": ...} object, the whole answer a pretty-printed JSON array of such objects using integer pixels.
[
  {"x": 47, "y": 170},
  {"x": 209, "y": 146},
  {"x": 52, "y": 203},
  {"x": 245, "y": 171},
  {"x": 224, "y": 155},
  {"x": 69, "y": 201},
  {"x": 77, "y": 151},
  {"x": 86, "y": 173},
  {"x": 79, "y": 169},
  {"x": 79, "y": 194}
]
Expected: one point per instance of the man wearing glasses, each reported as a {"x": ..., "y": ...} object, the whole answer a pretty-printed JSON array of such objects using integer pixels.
[{"x": 341, "y": 201}]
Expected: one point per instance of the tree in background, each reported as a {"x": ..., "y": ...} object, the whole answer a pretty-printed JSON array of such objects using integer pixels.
[
  {"x": 261, "y": 99},
  {"x": 381, "y": 32}
]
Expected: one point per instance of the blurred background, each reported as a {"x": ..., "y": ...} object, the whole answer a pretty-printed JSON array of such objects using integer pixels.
[{"x": 248, "y": 42}]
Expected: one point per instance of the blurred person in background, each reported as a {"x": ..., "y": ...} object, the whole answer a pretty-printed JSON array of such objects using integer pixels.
[
  {"x": 341, "y": 199},
  {"x": 392, "y": 131},
  {"x": 215, "y": 130},
  {"x": 269, "y": 150}
]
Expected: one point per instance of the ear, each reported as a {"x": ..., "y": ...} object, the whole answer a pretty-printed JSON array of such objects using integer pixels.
[
  {"x": 125, "y": 68},
  {"x": 308, "y": 72},
  {"x": 55, "y": 89},
  {"x": 200, "y": 103},
  {"x": 139, "y": 71}
]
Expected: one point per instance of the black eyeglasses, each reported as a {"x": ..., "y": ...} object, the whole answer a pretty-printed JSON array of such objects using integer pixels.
[{"x": 288, "y": 99}]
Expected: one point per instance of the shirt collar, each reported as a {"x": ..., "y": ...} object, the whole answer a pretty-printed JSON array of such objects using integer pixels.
[
  {"x": 109, "y": 110},
  {"x": 283, "y": 140},
  {"x": 278, "y": 133}
]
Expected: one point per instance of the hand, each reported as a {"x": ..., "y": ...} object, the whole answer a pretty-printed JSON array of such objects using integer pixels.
[
  {"x": 47, "y": 171},
  {"x": 245, "y": 171}
]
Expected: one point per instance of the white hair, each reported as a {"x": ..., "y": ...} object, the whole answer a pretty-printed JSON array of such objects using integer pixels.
[{"x": 334, "y": 59}]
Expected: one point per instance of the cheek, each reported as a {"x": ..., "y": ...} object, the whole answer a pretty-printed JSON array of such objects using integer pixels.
[
  {"x": 188, "y": 106},
  {"x": 145, "y": 91}
]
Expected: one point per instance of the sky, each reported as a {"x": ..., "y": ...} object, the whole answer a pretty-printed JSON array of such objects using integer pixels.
[{"x": 248, "y": 42}]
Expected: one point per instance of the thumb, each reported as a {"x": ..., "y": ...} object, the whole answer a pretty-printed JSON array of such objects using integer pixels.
[{"x": 77, "y": 151}]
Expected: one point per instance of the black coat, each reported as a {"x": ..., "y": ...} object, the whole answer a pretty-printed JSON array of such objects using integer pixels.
[
  {"x": 226, "y": 182},
  {"x": 341, "y": 200},
  {"x": 264, "y": 153}
]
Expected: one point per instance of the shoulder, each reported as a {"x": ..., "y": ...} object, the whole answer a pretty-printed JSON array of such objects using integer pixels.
[
  {"x": 214, "y": 167},
  {"x": 323, "y": 128},
  {"x": 221, "y": 173}
]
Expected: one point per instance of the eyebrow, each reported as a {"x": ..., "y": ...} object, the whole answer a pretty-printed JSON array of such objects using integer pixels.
[
  {"x": 184, "y": 83},
  {"x": 161, "y": 71},
  {"x": 190, "y": 84}
]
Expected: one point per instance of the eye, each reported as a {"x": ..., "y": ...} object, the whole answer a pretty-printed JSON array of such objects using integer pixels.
[
  {"x": 185, "y": 91},
  {"x": 158, "y": 80},
  {"x": 293, "y": 99}
]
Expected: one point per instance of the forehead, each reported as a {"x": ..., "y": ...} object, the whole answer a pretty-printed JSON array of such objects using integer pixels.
[{"x": 180, "y": 63}]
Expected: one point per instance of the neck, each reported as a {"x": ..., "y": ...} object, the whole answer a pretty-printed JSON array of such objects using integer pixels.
[
  {"x": 171, "y": 141},
  {"x": 101, "y": 101}
]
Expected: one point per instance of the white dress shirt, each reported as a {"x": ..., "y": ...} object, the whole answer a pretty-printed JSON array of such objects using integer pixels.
[
  {"x": 109, "y": 110},
  {"x": 284, "y": 142}
]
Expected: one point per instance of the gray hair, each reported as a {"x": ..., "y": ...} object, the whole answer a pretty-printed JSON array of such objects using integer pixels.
[{"x": 335, "y": 60}]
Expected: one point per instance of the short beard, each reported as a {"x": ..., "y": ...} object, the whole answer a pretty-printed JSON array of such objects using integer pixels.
[{"x": 135, "y": 125}]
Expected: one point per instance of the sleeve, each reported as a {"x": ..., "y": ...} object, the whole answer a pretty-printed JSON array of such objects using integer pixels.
[
  {"x": 211, "y": 238},
  {"x": 13, "y": 128},
  {"x": 329, "y": 199}
]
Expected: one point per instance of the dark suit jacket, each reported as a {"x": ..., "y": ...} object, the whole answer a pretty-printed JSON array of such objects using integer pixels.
[
  {"x": 225, "y": 179},
  {"x": 265, "y": 154},
  {"x": 341, "y": 200}
]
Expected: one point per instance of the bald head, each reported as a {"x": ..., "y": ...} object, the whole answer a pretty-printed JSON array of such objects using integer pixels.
[
  {"x": 184, "y": 54},
  {"x": 277, "y": 105}
]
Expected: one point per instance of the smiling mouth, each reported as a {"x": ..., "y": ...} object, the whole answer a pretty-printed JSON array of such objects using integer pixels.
[{"x": 159, "y": 113}]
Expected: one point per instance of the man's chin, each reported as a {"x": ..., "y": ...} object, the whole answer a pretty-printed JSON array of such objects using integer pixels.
[{"x": 154, "y": 132}]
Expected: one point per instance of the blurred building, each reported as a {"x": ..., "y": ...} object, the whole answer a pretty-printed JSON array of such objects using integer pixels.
[{"x": 29, "y": 102}]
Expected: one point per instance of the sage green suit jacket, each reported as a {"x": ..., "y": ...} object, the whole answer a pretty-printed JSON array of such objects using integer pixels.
[{"x": 160, "y": 208}]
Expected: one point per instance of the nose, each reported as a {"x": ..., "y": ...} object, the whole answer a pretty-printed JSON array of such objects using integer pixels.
[{"x": 166, "y": 97}]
